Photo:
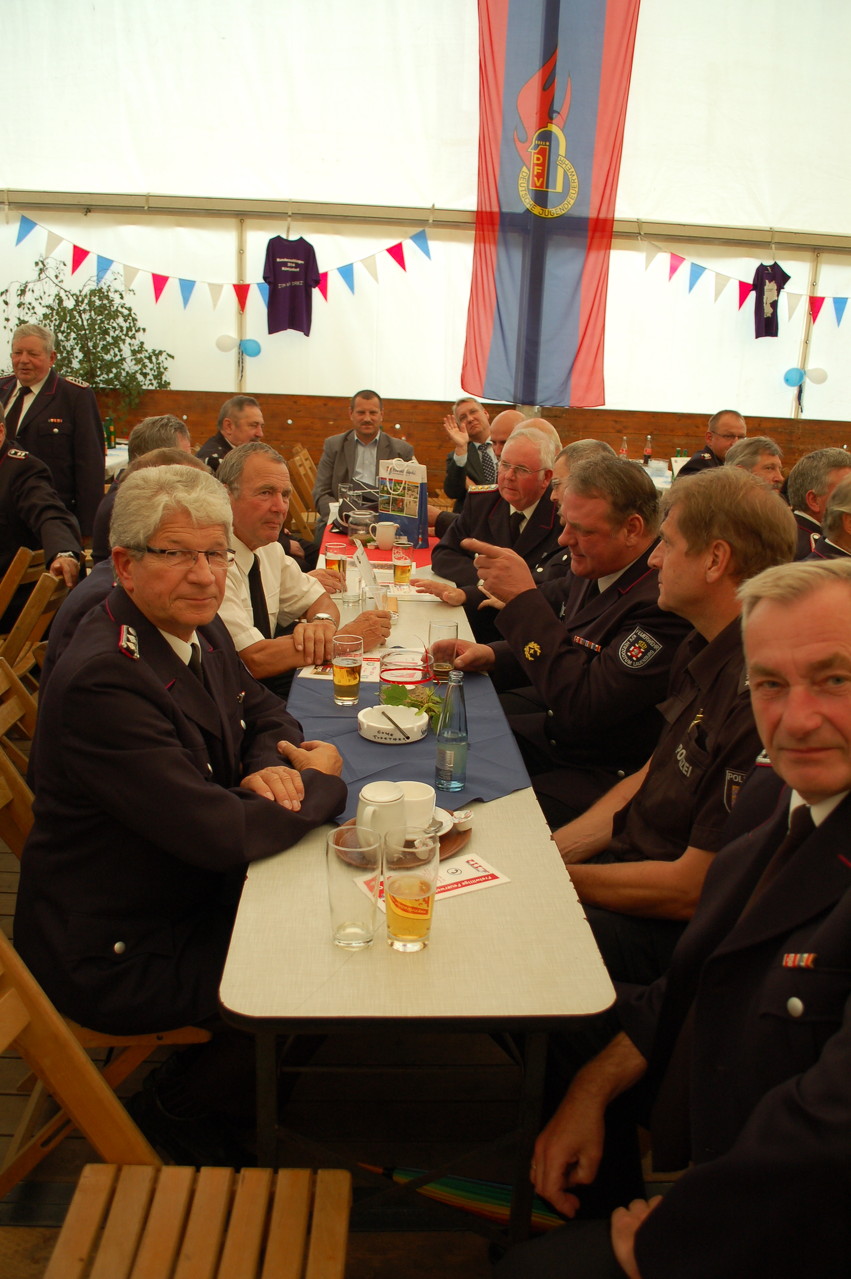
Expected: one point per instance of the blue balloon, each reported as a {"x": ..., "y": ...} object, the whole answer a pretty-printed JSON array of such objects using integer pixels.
[
  {"x": 793, "y": 377},
  {"x": 250, "y": 346}
]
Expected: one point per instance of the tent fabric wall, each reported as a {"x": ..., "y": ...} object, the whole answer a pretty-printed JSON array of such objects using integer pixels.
[{"x": 737, "y": 117}]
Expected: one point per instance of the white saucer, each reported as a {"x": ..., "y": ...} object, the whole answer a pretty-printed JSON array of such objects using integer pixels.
[{"x": 445, "y": 819}]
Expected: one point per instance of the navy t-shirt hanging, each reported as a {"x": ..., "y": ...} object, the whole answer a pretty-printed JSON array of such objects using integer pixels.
[
  {"x": 768, "y": 282},
  {"x": 291, "y": 274}
]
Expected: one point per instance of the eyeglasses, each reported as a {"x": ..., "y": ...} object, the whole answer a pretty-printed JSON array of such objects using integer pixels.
[
  {"x": 727, "y": 436},
  {"x": 181, "y": 558},
  {"x": 522, "y": 472}
]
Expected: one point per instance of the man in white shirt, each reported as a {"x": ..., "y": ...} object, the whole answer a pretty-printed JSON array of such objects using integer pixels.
[{"x": 266, "y": 591}]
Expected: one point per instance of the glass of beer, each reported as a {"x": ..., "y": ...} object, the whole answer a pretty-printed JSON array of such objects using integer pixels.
[
  {"x": 335, "y": 552},
  {"x": 346, "y": 663},
  {"x": 411, "y": 861},
  {"x": 441, "y": 647},
  {"x": 401, "y": 565}
]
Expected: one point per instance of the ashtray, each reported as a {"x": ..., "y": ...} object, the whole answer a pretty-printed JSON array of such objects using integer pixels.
[{"x": 405, "y": 724}]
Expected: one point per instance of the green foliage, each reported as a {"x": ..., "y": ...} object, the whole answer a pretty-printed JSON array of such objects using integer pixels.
[
  {"x": 422, "y": 699},
  {"x": 98, "y": 335}
]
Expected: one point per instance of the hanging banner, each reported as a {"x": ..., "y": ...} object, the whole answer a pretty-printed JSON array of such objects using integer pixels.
[{"x": 553, "y": 86}]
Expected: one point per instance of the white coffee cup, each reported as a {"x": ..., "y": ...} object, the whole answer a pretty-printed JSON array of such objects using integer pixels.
[
  {"x": 381, "y": 806},
  {"x": 419, "y": 803},
  {"x": 384, "y": 534}
]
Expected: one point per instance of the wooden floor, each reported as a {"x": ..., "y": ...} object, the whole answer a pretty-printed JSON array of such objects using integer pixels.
[{"x": 366, "y": 1102}]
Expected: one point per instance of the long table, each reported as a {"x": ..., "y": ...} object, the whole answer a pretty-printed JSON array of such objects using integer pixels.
[{"x": 516, "y": 957}]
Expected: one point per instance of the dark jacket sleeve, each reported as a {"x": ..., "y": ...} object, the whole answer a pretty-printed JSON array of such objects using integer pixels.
[{"x": 39, "y": 507}]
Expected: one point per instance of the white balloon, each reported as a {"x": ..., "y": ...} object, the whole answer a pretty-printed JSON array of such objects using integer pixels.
[
  {"x": 226, "y": 342},
  {"x": 817, "y": 375}
]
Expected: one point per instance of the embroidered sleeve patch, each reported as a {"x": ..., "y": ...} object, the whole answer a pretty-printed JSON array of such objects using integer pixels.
[
  {"x": 732, "y": 785},
  {"x": 638, "y": 649}
]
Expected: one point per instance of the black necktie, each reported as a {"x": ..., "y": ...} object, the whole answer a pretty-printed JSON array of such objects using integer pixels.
[
  {"x": 194, "y": 663},
  {"x": 515, "y": 519},
  {"x": 258, "y": 600},
  {"x": 14, "y": 414},
  {"x": 488, "y": 468},
  {"x": 801, "y": 826}
]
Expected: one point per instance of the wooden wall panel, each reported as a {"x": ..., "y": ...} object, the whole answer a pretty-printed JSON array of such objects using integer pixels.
[{"x": 309, "y": 419}]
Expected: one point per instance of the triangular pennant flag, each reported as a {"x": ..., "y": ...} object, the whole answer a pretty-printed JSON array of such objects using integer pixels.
[
  {"x": 652, "y": 251},
  {"x": 397, "y": 253},
  {"x": 745, "y": 287},
  {"x": 694, "y": 274},
  {"x": 420, "y": 239},
  {"x": 159, "y": 283},
  {"x": 839, "y": 305},
  {"x": 371, "y": 266},
  {"x": 263, "y": 290},
  {"x": 52, "y": 242},
  {"x": 674, "y": 265},
  {"x": 24, "y": 227},
  {"x": 347, "y": 273},
  {"x": 323, "y": 284},
  {"x": 186, "y": 290},
  {"x": 242, "y": 291},
  {"x": 793, "y": 301},
  {"x": 215, "y": 293},
  {"x": 103, "y": 268},
  {"x": 816, "y": 305},
  {"x": 721, "y": 282},
  {"x": 130, "y": 273},
  {"x": 78, "y": 257}
]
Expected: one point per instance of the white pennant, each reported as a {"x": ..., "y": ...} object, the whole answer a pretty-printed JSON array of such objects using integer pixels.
[
  {"x": 130, "y": 273},
  {"x": 215, "y": 293},
  {"x": 52, "y": 242},
  {"x": 721, "y": 282},
  {"x": 793, "y": 301},
  {"x": 371, "y": 266},
  {"x": 650, "y": 253}
]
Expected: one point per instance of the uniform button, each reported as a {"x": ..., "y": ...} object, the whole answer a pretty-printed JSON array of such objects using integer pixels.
[
  {"x": 119, "y": 948},
  {"x": 549, "y": 714},
  {"x": 539, "y": 568},
  {"x": 553, "y": 742},
  {"x": 794, "y": 1006},
  {"x": 209, "y": 768},
  {"x": 242, "y": 723}
]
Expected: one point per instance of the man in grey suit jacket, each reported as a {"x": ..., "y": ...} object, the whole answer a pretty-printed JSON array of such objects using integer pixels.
[{"x": 355, "y": 454}]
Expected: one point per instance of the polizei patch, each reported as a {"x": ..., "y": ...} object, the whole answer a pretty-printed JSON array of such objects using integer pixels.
[{"x": 638, "y": 649}]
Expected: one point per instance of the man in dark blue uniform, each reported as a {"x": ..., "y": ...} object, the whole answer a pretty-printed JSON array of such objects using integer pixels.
[
  {"x": 722, "y": 432},
  {"x": 57, "y": 420}
]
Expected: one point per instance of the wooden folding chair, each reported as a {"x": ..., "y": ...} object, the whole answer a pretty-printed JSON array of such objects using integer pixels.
[
  {"x": 19, "y": 645},
  {"x": 300, "y": 520},
  {"x": 26, "y": 568},
  {"x": 17, "y": 717},
  {"x": 16, "y": 800},
  {"x": 306, "y": 462},
  {"x": 303, "y": 477},
  {"x": 132, "y": 1217}
]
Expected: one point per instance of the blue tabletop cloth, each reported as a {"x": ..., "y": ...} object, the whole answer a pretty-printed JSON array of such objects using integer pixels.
[{"x": 494, "y": 764}]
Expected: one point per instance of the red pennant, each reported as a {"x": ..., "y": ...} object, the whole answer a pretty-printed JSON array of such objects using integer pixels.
[
  {"x": 160, "y": 281},
  {"x": 323, "y": 284},
  {"x": 816, "y": 305},
  {"x": 242, "y": 291},
  {"x": 674, "y": 265},
  {"x": 744, "y": 289},
  {"x": 78, "y": 257},
  {"x": 397, "y": 253}
]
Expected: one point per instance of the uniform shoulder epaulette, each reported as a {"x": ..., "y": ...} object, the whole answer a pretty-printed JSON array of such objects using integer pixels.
[
  {"x": 77, "y": 381},
  {"x": 128, "y": 642},
  {"x": 18, "y": 453},
  {"x": 482, "y": 488}
]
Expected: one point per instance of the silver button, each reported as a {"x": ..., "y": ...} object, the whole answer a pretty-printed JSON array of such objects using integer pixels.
[
  {"x": 242, "y": 723},
  {"x": 549, "y": 714},
  {"x": 209, "y": 768},
  {"x": 794, "y": 1006},
  {"x": 119, "y": 948}
]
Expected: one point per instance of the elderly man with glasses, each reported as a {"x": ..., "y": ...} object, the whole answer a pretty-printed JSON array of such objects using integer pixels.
[
  {"x": 518, "y": 514},
  {"x": 161, "y": 769},
  {"x": 723, "y": 430}
]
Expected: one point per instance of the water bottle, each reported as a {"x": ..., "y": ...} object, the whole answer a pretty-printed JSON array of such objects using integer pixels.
[{"x": 451, "y": 769}]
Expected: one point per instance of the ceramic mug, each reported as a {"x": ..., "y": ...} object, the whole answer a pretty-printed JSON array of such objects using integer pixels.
[
  {"x": 381, "y": 806},
  {"x": 419, "y": 803},
  {"x": 384, "y": 534}
]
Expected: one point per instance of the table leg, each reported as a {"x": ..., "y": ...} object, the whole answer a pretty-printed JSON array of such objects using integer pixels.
[
  {"x": 529, "y": 1119},
  {"x": 265, "y": 1048}
]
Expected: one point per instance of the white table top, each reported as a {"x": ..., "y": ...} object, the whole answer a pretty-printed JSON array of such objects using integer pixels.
[{"x": 504, "y": 954}]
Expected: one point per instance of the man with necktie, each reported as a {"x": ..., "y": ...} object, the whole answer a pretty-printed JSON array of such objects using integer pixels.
[
  {"x": 473, "y": 459},
  {"x": 56, "y": 419},
  {"x": 738, "y": 1059}
]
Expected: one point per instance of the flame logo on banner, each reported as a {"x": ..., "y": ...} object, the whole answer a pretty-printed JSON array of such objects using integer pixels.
[{"x": 544, "y": 153}]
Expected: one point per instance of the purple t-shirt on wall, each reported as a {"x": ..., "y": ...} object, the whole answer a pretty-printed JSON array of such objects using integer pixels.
[
  {"x": 291, "y": 274},
  {"x": 768, "y": 282}
]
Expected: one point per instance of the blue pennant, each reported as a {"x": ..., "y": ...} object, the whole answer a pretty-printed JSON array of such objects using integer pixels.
[
  {"x": 103, "y": 268},
  {"x": 24, "y": 227},
  {"x": 694, "y": 274},
  {"x": 421, "y": 241},
  {"x": 186, "y": 288},
  {"x": 348, "y": 274},
  {"x": 263, "y": 290}
]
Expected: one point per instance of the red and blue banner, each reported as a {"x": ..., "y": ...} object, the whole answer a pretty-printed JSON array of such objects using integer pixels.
[{"x": 553, "y": 86}]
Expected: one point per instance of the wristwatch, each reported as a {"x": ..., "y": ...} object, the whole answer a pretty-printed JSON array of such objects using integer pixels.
[{"x": 322, "y": 617}]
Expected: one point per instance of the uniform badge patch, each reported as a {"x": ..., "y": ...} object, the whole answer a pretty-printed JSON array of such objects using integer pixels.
[
  {"x": 531, "y": 651},
  {"x": 732, "y": 786},
  {"x": 638, "y": 649},
  {"x": 19, "y": 453},
  {"x": 128, "y": 643}
]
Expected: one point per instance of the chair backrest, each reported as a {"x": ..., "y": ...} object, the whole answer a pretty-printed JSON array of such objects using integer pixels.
[
  {"x": 19, "y": 645},
  {"x": 16, "y": 798},
  {"x": 305, "y": 461},
  {"x": 17, "y": 717},
  {"x": 300, "y": 520},
  {"x": 303, "y": 477},
  {"x": 31, "y": 1025},
  {"x": 26, "y": 567}
]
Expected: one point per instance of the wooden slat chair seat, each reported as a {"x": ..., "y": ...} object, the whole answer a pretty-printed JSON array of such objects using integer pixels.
[
  {"x": 18, "y": 647},
  {"x": 214, "y": 1223},
  {"x": 26, "y": 568}
]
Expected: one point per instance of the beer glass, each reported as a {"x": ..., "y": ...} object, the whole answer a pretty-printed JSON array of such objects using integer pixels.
[
  {"x": 401, "y": 565},
  {"x": 346, "y": 663},
  {"x": 411, "y": 861},
  {"x": 353, "y": 860},
  {"x": 335, "y": 553}
]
